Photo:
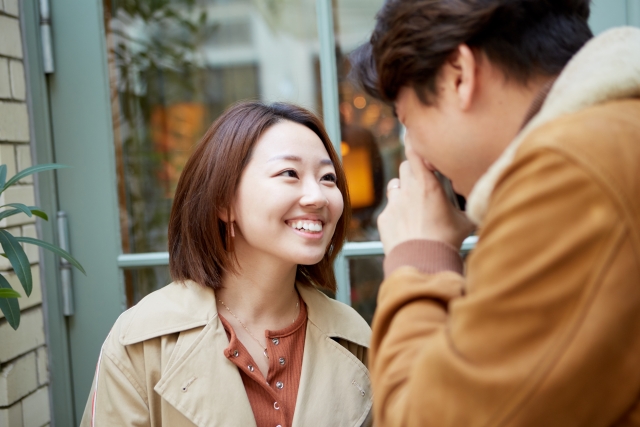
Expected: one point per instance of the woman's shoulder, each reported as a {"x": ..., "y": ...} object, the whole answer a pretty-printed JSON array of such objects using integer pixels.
[
  {"x": 334, "y": 318},
  {"x": 177, "y": 307}
]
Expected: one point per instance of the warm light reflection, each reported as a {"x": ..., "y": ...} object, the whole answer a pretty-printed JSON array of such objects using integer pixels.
[
  {"x": 359, "y": 102},
  {"x": 344, "y": 148},
  {"x": 357, "y": 167},
  {"x": 175, "y": 129}
]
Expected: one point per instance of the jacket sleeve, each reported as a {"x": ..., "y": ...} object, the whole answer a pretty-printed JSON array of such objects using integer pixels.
[
  {"x": 117, "y": 397},
  {"x": 537, "y": 338}
]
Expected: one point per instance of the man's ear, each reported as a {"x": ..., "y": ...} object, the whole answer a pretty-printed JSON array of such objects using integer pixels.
[{"x": 462, "y": 76}]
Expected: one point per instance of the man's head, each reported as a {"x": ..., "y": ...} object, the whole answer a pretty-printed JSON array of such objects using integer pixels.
[{"x": 462, "y": 73}]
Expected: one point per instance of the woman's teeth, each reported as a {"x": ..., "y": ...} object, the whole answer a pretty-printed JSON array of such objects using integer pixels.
[{"x": 311, "y": 226}]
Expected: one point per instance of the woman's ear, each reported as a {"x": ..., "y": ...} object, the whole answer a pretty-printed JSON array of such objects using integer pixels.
[{"x": 227, "y": 215}]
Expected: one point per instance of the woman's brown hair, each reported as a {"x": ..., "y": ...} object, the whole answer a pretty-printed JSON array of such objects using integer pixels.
[{"x": 200, "y": 248}]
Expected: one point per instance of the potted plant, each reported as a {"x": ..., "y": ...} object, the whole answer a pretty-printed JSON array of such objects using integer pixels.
[{"x": 14, "y": 252}]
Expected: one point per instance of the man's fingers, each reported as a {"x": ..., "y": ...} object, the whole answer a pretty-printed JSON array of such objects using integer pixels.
[
  {"x": 415, "y": 168},
  {"x": 392, "y": 187},
  {"x": 405, "y": 171},
  {"x": 418, "y": 168},
  {"x": 393, "y": 184}
]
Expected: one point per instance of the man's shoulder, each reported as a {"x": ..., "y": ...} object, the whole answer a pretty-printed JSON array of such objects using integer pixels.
[
  {"x": 601, "y": 140},
  {"x": 596, "y": 133}
]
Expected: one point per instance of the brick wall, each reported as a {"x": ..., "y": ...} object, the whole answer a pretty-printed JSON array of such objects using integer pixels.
[{"x": 24, "y": 375}]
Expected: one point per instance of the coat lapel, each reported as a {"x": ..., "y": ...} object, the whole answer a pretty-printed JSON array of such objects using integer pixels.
[
  {"x": 202, "y": 381},
  {"x": 335, "y": 389}
]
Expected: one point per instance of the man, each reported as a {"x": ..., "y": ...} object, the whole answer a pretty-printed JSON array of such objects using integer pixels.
[{"x": 539, "y": 127}]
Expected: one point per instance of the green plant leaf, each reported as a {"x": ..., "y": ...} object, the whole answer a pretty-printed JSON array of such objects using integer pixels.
[
  {"x": 8, "y": 213},
  {"x": 21, "y": 207},
  {"x": 9, "y": 293},
  {"x": 18, "y": 259},
  {"x": 9, "y": 305},
  {"x": 33, "y": 209},
  {"x": 64, "y": 254},
  {"x": 3, "y": 175},
  {"x": 31, "y": 170},
  {"x": 37, "y": 212}
]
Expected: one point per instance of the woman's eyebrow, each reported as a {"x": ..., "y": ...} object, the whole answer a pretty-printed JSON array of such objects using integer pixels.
[
  {"x": 286, "y": 157},
  {"x": 297, "y": 159}
]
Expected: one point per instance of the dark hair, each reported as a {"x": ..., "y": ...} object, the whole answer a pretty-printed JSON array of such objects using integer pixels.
[
  {"x": 200, "y": 248},
  {"x": 414, "y": 38}
]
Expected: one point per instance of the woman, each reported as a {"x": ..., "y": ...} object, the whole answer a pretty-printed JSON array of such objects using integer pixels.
[{"x": 243, "y": 336}]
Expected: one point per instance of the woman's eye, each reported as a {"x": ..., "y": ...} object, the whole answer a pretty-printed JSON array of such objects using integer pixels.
[
  {"x": 330, "y": 177},
  {"x": 289, "y": 173}
]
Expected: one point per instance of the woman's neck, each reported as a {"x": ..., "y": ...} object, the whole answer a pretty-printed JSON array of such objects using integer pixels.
[{"x": 261, "y": 293}]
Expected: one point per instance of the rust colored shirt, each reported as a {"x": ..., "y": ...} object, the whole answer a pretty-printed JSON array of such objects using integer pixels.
[{"x": 273, "y": 400}]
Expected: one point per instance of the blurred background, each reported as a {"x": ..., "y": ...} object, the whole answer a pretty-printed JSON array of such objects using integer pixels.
[
  {"x": 121, "y": 91},
  {"x": 174, "y": 66}
]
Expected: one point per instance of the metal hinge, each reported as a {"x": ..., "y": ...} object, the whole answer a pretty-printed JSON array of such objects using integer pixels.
[
  {"x": 65, "y": 267},
  {"x": 45, "y": 37}
]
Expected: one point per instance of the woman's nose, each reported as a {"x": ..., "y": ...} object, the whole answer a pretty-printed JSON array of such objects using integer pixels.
[{"x": 313, "y": 196}]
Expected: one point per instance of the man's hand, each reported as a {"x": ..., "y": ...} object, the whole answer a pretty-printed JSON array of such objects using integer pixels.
[{"x": 418, "y": 208}]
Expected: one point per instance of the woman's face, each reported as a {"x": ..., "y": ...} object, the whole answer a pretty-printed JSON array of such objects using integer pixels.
[{"x": 288, "y": 203}]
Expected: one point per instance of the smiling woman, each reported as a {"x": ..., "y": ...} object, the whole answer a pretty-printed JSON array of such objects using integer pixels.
[
  {"x": 246, "y": 145},
  {"x": 243, "y": 336}
]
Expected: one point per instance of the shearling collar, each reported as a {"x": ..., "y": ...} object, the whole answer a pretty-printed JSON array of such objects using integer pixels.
[
  {"x": 605, "y": 69},
  {"x": 182, "y": 306}
]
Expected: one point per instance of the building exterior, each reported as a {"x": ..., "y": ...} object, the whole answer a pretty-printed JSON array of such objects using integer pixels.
[{"x": 120, "y": 91}]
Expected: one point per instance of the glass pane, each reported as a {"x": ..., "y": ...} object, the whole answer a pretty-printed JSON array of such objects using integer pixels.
[
  {"x": 371, "y": 147},
  {"x": 175, "y": 65},
  {"x": 366, "y": 275},
  {"x": 142, "y": 281}
]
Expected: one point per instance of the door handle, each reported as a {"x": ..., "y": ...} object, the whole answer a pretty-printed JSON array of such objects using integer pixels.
[{"x": 65, "y": 267}]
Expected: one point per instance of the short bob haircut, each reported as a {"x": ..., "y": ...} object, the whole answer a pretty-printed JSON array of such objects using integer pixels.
[
  {"x": 414, "y": 38},
  {"x": 200, "y": 248}
]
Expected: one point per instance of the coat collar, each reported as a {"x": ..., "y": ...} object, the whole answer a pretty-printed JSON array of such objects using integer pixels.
[
  {"x": 606, "y": 68},
  {"x": 199, "y": 373},
  {"x": 181, "y": 306}
]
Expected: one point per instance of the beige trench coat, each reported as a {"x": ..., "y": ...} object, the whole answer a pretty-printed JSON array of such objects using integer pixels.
[{"x": 163, "y": 365}]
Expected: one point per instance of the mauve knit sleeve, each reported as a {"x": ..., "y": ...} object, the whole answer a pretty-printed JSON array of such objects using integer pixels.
[{"x": 428, "y": 256}]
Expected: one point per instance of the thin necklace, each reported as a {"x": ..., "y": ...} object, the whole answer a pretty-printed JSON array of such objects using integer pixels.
[{"x": 247, "y": 329}]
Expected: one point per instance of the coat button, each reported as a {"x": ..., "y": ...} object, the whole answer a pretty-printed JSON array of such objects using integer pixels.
[
  {"x": 276, "y": 406},
  {"x": 281, "y": 360},
  {"x": 235, "y": 353},
  {"x": 275, "y": 341},
  {"x": 250, "y": 367},
  {"x": 279, "y": 385}
]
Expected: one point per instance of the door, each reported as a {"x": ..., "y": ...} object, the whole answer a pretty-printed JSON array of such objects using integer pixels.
[{"x": 134, "y": 86}]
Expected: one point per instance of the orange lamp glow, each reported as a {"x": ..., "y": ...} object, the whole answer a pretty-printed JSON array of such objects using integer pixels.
[{"x": 357, "y": 166}]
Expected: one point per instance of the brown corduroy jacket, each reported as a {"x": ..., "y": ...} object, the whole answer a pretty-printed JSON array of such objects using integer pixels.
[{"x": 544, "y": 330}]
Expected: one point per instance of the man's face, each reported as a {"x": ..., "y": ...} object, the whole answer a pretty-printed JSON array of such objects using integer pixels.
[{"x": 439, "y": 134}]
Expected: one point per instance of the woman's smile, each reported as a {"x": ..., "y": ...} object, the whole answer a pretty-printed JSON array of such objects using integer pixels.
[
  {"x": 306, "y": 228},
  {"x": 290, "y": 178}
]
